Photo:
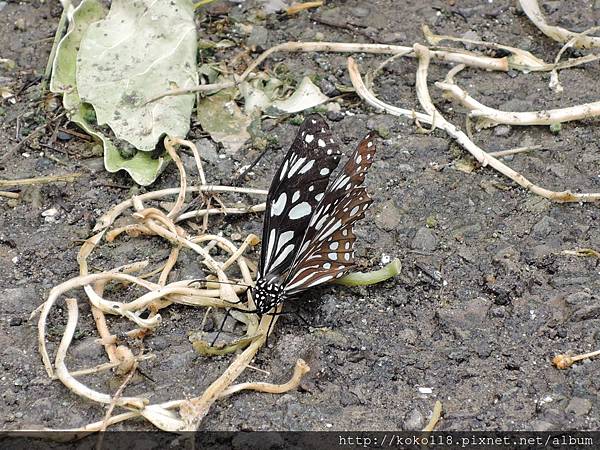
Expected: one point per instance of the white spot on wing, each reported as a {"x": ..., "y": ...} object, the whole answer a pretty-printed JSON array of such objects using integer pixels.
[
  {"x": 270, "y": 248},
  {"x": 286, "y": 251},
  {"x": 321, "y": 143},
  {"x": 307, "y": 166},
  {"x": 320, "y": 280},
  {"x": 332, "y": 256},
  {"x": 283, "y": 170},
  {"x": 309, "y": 138},
  {"x": 327, "y": 266},
  {"x": 299, "y": 211},
  {"x": 318, "y": 197},
  {"x": 296, "y": 196},
  {"x": 295, "y": 167},
  {"x": 334, "y": 245},
  {"x": 284, "y": 239},
  {"x": 279, "y": 205},
  {"x": 324, "y": 171}
]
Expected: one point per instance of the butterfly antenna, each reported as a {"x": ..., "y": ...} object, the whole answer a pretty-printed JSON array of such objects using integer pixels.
[
  {"x": 227, "y": 313},
  {"x": 306, "y": 322},
  {"x": 239, "y": 178}
]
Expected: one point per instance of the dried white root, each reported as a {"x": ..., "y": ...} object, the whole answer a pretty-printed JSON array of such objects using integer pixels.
[
  {"x": 489, "y": 117},
  {"x": 434, "y": 116},
  {"x": 167, "y": 225},
  {"x": 453, "y": 56},
  {"x": 532, "y": 9}
]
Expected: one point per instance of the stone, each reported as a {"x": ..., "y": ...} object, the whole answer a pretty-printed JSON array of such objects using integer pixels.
[
  {"x": 465, "y": 318},
  {"x": 502, "y": 130},
  {"x": 17, "y": 300},
  {"x": 258, "y": 38},
  {"x": 328, "y": 88},
  {"x": 359, "y": 12},
  {"x": 542, "y": 425},
  {"x": 414, "y": 420},
  {"x": 579, "y": 406},
  {"x": 207, "y": 150},
  {"x": 544, "y": 227},
  {"x": 472, "y": 36},
  {"x": 388, "y": 216},
  {"x": 424, "y": 240},
  {"x": 392, "y": 37},
  {"x": 87, "y": 349}
]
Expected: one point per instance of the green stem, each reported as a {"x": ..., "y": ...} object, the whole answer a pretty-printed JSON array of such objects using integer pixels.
[{"x": 377, "y": 276}]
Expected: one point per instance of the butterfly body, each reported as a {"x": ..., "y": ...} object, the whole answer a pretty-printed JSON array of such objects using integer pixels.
[{"x": 307, "y": 234}]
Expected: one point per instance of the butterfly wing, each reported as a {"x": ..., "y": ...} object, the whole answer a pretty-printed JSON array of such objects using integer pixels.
[
  {"x": 295, "y": 192},
  {"x": 327, "y": 250}
]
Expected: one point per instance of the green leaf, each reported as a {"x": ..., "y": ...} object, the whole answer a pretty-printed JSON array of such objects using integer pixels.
[
  {"x": 140, "y": 50},
  {"x": 142, "y": 167}
]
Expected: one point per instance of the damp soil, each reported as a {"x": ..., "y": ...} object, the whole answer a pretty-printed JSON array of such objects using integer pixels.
[{"x": 486, "y": 296}]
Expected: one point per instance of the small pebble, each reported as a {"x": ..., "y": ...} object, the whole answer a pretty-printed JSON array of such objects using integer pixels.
[{"x": 414, "y": 420}]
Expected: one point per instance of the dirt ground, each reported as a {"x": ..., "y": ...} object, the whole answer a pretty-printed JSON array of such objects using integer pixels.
[{"x": 485, "y": 299}]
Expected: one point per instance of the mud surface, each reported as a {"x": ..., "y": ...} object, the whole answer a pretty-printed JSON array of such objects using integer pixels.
[{"x": 485, "y": 298}]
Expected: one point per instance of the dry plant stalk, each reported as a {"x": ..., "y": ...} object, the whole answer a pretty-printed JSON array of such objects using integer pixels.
[
  {"x": 489, "y": 117},
  {"x": 532, "y": 9},
  {"x": 433, "y": 116},
  {"x": 436, "y": 415},
  {"x": 452, "y": 56},
  {"x": 566, "y": 361},
  {"x": 70, "y": 177},
  {"x": 297, "y": 7},
  {"x": 170, "y": 226}
]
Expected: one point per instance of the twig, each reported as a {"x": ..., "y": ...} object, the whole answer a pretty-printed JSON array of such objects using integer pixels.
[
  {"x": 566, "y": 361},
  {"x": 435, "y": 417},
  {"x": 456, "y": 56},
  {"x": 194, "y": 410},
  {"x": 108, "y": 218},
  {"x": 514, "y": 151},
  {"x": 182, "y": 177},
  {"x": 297, "y": 7},
  {"x": 71, "y": 177},
  {"x": 107, "y": 366},
  {"x": 9, "y": 194},
  {"x": 63, "y": 374},
  {"x": 113, "y": 403},
  {"x": 30, "y": 136},
  {"x": 554, "y": 81}
]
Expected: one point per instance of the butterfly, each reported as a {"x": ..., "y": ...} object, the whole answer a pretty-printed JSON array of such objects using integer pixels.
[{"x": 307, "y": 233}]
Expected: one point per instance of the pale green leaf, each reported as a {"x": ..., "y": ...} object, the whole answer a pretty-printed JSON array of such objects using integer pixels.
[
  {"x": 142, "y": 167},
  {"x": 223, "y": 119},
  {"x": 306, "y": 96},
  {"x": 140, "y": 50}
]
